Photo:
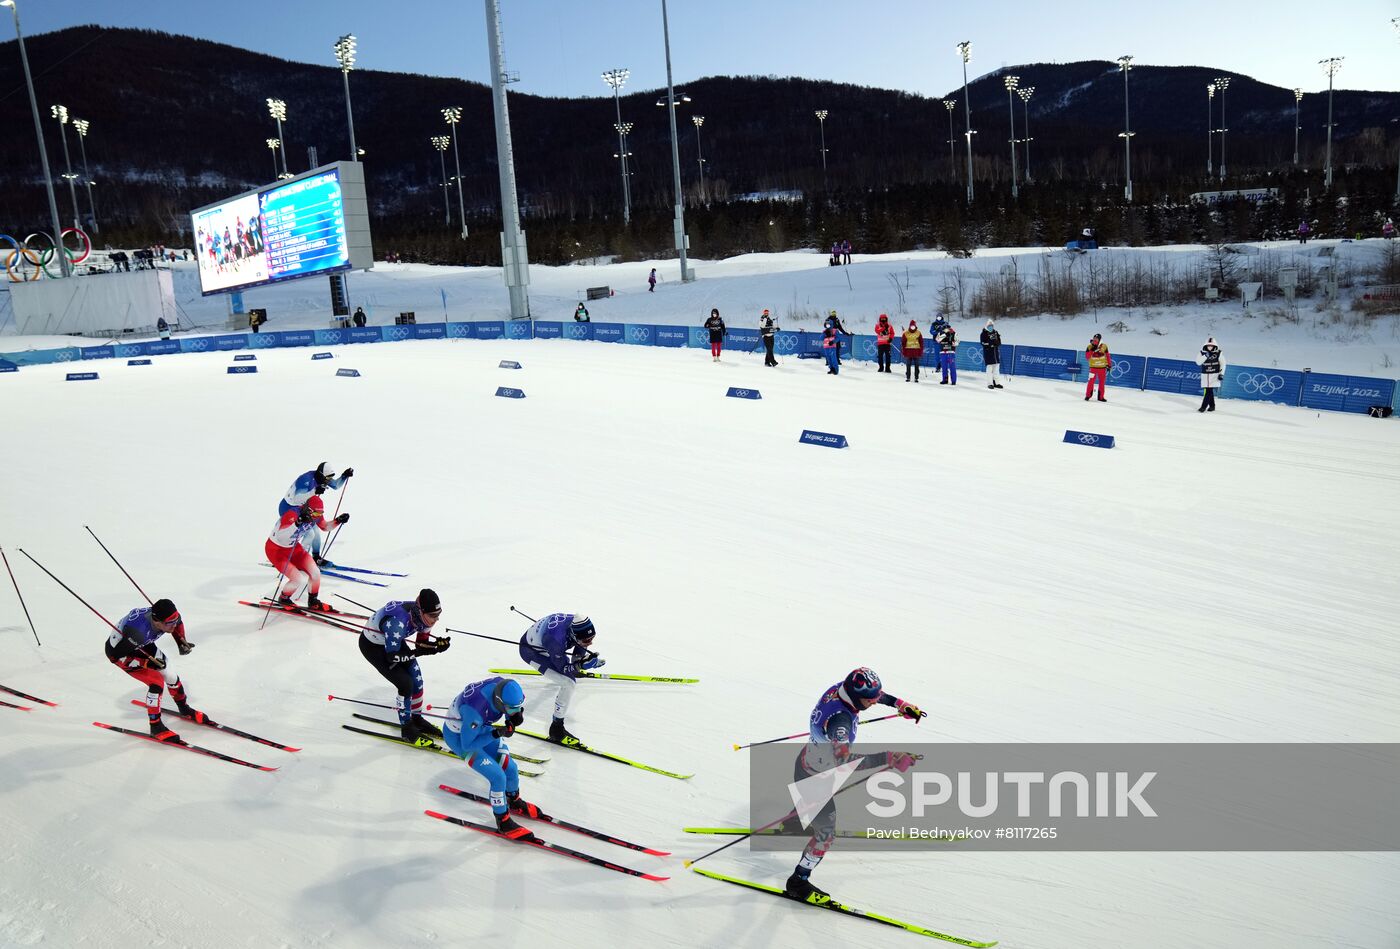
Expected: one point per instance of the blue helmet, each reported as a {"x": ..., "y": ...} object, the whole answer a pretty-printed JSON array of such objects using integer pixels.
[
  {"x": 582, "y": 629},
  {"x": 863, "y": 683},
  {"x": 508, "y": 697}
]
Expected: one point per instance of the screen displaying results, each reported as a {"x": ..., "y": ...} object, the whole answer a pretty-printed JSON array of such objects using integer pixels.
[{"x": 287, "y": 231}]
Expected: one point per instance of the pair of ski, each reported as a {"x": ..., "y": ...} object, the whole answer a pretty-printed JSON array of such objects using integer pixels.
[
  {"x": 24, "y": 695},
  {"x": 553, "y": 847},
  {"x": 346, "y": 622},
  {"x": 208, "y": 752},
  {"x": 597, "y": 675},
  {"x": 345, "y": 573},
  {"x": 432, "y": 745}
]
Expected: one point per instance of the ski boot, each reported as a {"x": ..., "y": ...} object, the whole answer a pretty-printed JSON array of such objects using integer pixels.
[
  {"x": 800, "y": 888},
  {"x": 558, "y": 733},
  {"x": 511, "y": 830},
  {"x": 426, "y": 727},
  {"x": 519, "y": 805},
  {"x": 314, "y": 605},
  {"x": 194, "y": 714},
  {"x": 287, "y": 601},
  {"x": 410, "y": 733},
  {"x": 160, "y": 733}
]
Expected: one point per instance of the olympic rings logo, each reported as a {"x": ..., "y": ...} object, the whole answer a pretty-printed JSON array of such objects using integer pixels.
[
  {"x": 1087, "y": 439},
  {"x": 397, "y": 333},
  {"x": 24, "y": 263},
  {"x": 575, "y": 331},
  {"x": 974, "y": 355},
  {"x": 786, "y": 344},
  {"x": 1120, "y": 368},
  {"x": 867, "y": 347},
  {"x": 1259, "y": 383},
  {"x": 199, "y": 345}
]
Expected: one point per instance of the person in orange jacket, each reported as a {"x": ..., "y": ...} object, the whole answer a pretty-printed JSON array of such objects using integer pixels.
[
  {"x": 1099, "y": 363},
  {"x": 884, "y": 337},
  {"x": 911, "y": 346}
]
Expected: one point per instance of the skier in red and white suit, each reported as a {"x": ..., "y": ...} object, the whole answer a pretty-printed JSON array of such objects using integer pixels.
[{"x": 287, "y": 552}]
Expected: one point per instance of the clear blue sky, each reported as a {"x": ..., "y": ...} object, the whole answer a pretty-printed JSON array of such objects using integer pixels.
[{"x": 559, "y": 47}]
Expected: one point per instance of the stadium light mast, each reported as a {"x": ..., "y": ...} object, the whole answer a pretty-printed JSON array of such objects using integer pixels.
[
  {"x": 950, "y": 105},
  {"x": 687, "y": 274},
  {"x": 278, "y": 110},
  {"x": 697, "y": 121},
  {"x": 821, "y": 115},
  {"x": 624, "y": 131},
  {"x": 452, "y": 115},
  {"x": 345, "y": 55},
  {"x": 1329, "y": 66},
  {"x": 440, "y": 142},
  {"x": 1011, "y": 82},
  {"x": 63, "y": 266},
  {"x": 1297, "y": 121},
  {"x": 274, "y": 144},
  {"x": 1222, "y": 83},
  {"x": 1025, "y": 93},
  {"x": 1126, "y": 64},
  {"x": 81, "y": 126},
  {"x": 965, "y": 50},
  {"x": 60, "y": 113},
  {"x": 617, "y": 78},
  {"x": 1395, "y": 22},
  {"x": 1210, "y": 132},
  {"x": 515, "y": 259}
]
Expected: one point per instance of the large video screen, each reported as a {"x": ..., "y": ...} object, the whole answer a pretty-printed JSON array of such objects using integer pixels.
[{"x": 289, "y": 230}]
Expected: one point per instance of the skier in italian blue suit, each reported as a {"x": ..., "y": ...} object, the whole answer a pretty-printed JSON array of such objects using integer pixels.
[{"x": 474, "y": 736}]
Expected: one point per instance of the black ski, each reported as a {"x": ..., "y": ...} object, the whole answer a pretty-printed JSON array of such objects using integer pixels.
[
  {"x": 546, "y": 845},
  {"x": 223, "y": 728},
  {"x": 389, "y": 724},
  {"x": 181, "y": 743},
  {"x": 26, "y": 695},
  {"x": 399, "y": 740},
  {"x": 576, "y": 828}
]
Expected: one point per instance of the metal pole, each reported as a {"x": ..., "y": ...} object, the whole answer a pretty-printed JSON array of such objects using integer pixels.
[
  {"x": 699, "y": 120},
  {"x": 350, "y": 117},
  {"x": 514, "y": 255},
  {"x": 949, "y": 104},
  {"x": 43, "y": 152},
  {"x": 283, "y": 140},
  {"x": 621, "y": 148},
  {"x": 1297, "y": 121},
  {"x": 1223, "y": 130},
  {"x": 966, "y": 49},
  {"x": 461, "y": 203},
  {"x": 446, "y": 205},
  {"x": 1011, "y": 109},
  {"x": 68, "y": 165},
  {"x": 686, "y": 275},
  {"x": 1210, "y": 132},
  {"x": 1331, "y": 66},
  {"x": 87, "y": 180},
  {"x": 1126, "y": 63},
  {"x": 1026, "y": 125}
]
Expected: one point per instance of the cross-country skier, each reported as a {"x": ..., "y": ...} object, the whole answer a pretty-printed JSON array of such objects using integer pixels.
[
  {"x": 557, "y": 647},
  {"x": 473, "y": 736},
  {"x": 833, "y": 731},
  {"x": 314, "y": 482},
  {"x": 384, "y": 642},
  {"x": 286, "y": 549},
  {"x": 132, "y": 649}
]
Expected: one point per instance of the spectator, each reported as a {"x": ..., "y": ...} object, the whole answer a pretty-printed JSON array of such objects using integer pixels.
[
  {"x": 991, "y": 353},
  {"x": 884, "y": 338},
  {"x": 254, "y": 321},
  {"x": 834, "y": 322},
  {"x": 845, "y": 252},
  {"x": 767, "y": 326},
  {"x": 831, "y": 346},
  {"x": 581, "y": 314},
  {"x": 911, "y": 346},
  {"x": 1303, "y": 231},
  {"x": 1388, "y": 229},
  {"x": 651, "y": 281},
  {"x": 1099, "y": 363},
  {"x": 947, "y": 340},
  {"x": 939, "y": 324},
  {"x": 360, "y": 319},
  {"x": 835, "y": 253},
  {"x": 717, "y": 334},
  {"x": 163, "y": 328},
  {"x": 1212, "y": 373}
]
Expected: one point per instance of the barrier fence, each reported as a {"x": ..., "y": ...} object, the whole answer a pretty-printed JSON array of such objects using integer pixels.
[{"x": 1316, "y": 390}]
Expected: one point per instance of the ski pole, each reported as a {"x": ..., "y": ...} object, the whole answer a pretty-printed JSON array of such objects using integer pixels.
[
  {"x": 325, "y": 552},
  {"x": 355, "y": 602},
  {"x": 68, "y": 588},
  {"x": 267, "y": 610},
  {"x": 770, "y": 741},
  {"x": 21, "y": 597},
  {"x": 395, "y": 708},
  {"x": 776, "y": 822},
  {"x": 526, "y": 615},
  {"x": 509, "y": 642},
  {"x": 117, "y": 562}
]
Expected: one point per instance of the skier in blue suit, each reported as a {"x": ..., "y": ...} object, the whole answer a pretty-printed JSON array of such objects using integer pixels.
[
  {"x": 557, "y": 647},
  {"x": 473, "y": 736},
  {"x": 314, "y": 482}
]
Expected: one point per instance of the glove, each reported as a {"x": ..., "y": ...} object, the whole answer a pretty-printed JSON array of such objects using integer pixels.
[
  {"x": 155, "y": 662},
  {"x": 592, "y": 661},
  {"x": 909, "y": 710},
  {"x": 348, "y": 472},
  {"x": 343, "y": 519},
  {"x": 901, "y": 761},
  {"x": 503, "y": 731},
  {"x": 185, "y": 647}
]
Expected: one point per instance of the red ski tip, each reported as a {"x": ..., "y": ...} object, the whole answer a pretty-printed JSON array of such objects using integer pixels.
[
  {"x": 439, "y": 815},
  {"x": 330, "y": 698}
]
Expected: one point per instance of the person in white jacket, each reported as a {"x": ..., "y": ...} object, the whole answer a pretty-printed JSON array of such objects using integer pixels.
[{"x": 1212, "y": 373}]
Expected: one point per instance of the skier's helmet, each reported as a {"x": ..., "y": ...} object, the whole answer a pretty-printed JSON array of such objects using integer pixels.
[
  {"x": 582, "y": 629},
  {"x": 508, "y": 697},
  {"x": 326, "y": 471},
  {"x": 863, "y": 683}
]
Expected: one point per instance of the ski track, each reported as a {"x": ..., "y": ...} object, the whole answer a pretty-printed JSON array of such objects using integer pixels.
[{"x": 1212, "y": 579}]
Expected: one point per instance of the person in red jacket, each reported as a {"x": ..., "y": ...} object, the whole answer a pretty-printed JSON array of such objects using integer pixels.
[
  {"x": 911, "y": 346},
  {"x": 884, "y": 338},
  {"x": 1099, "y": 363},
  {"x": 285, "y": 550}
]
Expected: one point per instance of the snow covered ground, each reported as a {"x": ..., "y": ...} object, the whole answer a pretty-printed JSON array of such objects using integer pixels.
[
  {"x": 800, "y": 288},
  {"x": 1215, "y": 578}
]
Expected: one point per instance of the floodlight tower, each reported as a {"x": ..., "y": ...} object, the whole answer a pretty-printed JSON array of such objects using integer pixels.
[
  {"x": 1222, "y": 83},
  {"x": 950, "y": 105},
  {"x": 441, "y": 142},
  {"x": 1210, "y": 132},
  {"x": 345, "y": 55},
  {"x": 1011, "y": 83},
  {"x": 515, "y": 258},
  {"x": 60, "y": 113},
  {"x": 274, "y": 144},
  {"x": 687, "y": 274},
  {"x": 278, "y": 110},
  {"x": 452, "y": 115},
  {"x": 821, "y": 115},
  {"x": 965, "y": 50},
  {"x": 617, "y": 78},
  {"x": 1297, "y": 120},
  {"x": 697, "y": 121},
  {"x": 1329, "y": 66},
  {"x": 81, "y": 126},
  {"x": 1025, "y": 93},
  {"x": 1126, "y": 64}
]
